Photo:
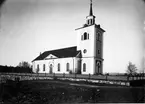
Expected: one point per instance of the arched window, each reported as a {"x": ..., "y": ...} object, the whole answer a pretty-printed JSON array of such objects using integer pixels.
[
  {"x": 58, "y": 66},
  {"x": 38, "y": 66},
  {"x": 91, "y": 22},
  {"x": 85, "y": 36},
  {"x": 88, "y": 22},
  {"x": 50, "y": 68},
  {"x": 88, "y": 36},
  {"x": 43, "y": 67},
  {"x": 98, "y": 51},
  {"x": 37, "y": 70},
  {"x": 84, "y": 67},
  {"x": 67, "y": 67}
]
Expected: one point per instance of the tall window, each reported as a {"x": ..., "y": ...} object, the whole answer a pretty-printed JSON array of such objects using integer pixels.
[
  {"x": 85, "y": 36},
  {"x": 58, "y": 66},
  {"x": 88, "y": 36},
  {"x": 98, "y": 51},
  {"x": 43, "y": 67},
  {"x": 67, "y": 67},
  {"x": 91, "y": 21},
  {"x": 50, "y": 68},
  {"x": 84, "y": 67},
  {"x": 37, "y": 68}
]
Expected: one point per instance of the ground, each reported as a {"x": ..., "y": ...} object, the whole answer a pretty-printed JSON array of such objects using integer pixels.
[{"x": 55, "y": 91}]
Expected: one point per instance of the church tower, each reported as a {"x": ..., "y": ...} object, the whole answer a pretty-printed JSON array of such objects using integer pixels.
[{"x": 90, "y": 43}]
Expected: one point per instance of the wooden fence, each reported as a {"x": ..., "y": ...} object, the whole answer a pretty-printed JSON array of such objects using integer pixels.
[{"x": 31, "y": 76}]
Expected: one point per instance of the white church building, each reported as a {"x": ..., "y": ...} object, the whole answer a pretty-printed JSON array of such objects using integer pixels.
[{"x": 85, "y": 58}]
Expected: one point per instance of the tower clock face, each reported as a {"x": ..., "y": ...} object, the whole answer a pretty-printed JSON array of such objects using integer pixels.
[{"x": 85, "y": 51}]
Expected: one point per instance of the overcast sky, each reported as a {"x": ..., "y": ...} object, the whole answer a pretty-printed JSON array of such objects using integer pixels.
[{"x": 28, "y": 27}]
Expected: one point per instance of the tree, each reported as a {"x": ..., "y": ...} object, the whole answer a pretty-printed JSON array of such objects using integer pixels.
[
  {"x": 131, "y": 69},
  {"x": 24, "y": 67},
  {"x": 24, "y": 64}
]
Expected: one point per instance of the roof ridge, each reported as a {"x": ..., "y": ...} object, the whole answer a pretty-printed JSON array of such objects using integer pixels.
[{"x": 60, "y": 49}]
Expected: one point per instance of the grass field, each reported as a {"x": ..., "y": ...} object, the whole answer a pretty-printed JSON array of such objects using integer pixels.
[{"x": 54, "y": 91}]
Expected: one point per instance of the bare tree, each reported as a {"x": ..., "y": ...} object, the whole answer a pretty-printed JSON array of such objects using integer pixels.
[
  {"x": 24, "y": 64},
  {"x": 131, "y": 69}
]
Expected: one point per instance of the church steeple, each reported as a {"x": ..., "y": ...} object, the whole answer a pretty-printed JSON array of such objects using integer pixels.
[
  {"x": 91, "y": 11},
  {"x": 91, "y": 17}
]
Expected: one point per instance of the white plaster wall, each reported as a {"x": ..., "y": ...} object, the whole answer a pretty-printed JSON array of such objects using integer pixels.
[
  {"x": 89, "y": 65},
  {"x": 86, "y": 44},
  {"x": 54, "y": 62}
]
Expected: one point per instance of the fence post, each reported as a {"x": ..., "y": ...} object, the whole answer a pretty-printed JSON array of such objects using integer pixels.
[
  {"x": 132, "y": 77},
  {"x": 127, "y": 77},
  {"x": 63, "y": 75},
  {"x": 89, "y": 76},
  {"x": 53, "y": 75},
  {"x": 38, "y": 76}
]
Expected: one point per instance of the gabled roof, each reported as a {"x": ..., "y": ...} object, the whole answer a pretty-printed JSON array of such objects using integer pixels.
[{"x": 60, "y": 53}]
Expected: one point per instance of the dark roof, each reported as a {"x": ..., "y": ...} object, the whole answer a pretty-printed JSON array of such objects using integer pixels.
[
  {"x": 85, "y": 25},
  {"x": 60, "y": 53}
]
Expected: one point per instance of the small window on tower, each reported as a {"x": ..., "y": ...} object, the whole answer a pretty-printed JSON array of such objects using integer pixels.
[
  {"x": 88, "y": 35},
  {"x": 99, "y": 36},
  {"x": 91, "y": 22},
  {"x": 85, "y": 36},
  {"x": 98, "y": 51}
]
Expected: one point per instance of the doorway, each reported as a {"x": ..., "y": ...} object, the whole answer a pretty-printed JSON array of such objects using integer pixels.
[
  {"x": 50, "y": 68},
  {"x": 98, "y": 68}
]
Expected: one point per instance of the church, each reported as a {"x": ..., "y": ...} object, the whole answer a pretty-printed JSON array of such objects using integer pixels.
[{"x": 85, "y": 58}]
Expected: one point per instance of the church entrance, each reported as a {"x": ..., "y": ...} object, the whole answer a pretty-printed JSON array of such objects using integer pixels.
[
  {"x": 50, "y": 68},
  {"x": 98, "y": 68}
]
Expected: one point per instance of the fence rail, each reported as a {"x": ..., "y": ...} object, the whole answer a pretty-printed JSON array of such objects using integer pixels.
[{"x": 29, "y": 76}]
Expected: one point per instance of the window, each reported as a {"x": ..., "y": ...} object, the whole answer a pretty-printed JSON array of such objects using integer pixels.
[
  {"x": 91, "y": 22},
  {"x": 43, "y": 67},
  {"x": 50, "y": 68},
  {"x": 58, "y": 66},
  {"x": 37, "y": 68},
  {"x": 84, "y": 67},
  {"x": 67, "y": 67},
  {"x": 85, "y": 36},
  {"x": 99, "y": 36},
  {"x": 88, "y": 22},
  {"x": 88, "y": 36},
  {"x": 98, "y": 51}
]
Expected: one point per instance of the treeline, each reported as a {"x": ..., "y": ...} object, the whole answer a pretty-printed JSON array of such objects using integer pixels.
[{"x": 11, "y": 69}]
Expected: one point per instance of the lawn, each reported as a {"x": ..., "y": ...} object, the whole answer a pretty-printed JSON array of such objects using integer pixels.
[{"x": 55, "y": 91}]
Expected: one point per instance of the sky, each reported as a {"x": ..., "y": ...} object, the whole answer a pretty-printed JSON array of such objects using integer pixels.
[{"x": 28, "y": 27}]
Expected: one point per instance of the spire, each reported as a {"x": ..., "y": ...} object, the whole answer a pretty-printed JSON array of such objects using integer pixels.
[
  {"x": 91, "y": 17},
  {"x": 91, "y": 11}
]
